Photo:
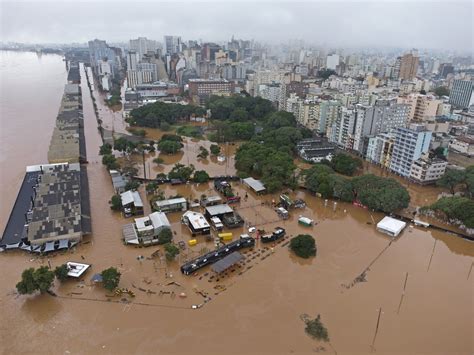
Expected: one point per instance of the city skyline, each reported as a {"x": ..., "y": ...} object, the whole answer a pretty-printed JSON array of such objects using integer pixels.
[{"x": 351, "y": 24}]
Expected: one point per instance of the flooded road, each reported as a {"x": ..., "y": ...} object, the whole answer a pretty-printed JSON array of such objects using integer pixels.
[{"x": 260, "y": 306}]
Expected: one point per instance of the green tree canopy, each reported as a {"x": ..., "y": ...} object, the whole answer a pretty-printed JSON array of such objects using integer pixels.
[
  {"x": 316, "y": 330},
  {"x": 171, "y": 251},
  {"x": 274, "y": 167},
  {"x": 451, "y": 179},
  {"x": 110, "y": 162},
  {"x": 459, "y": 208},
  {"x": 345, "y": 164},
  {"x": 132, "y": 185},
  {"x": 116, "y": 203},
  {"x": 441, "y": 91},
  {"x": 33, "y": 280},
  {"x": 201, "y": 176},
  {"x": 110, "y": 278},
  {"x": 215, "y": 149},
  {"x": 105, "y": 149},
  {"x": 27, "y": 285},
  {"x": 169, "y": 147},
  {"x": 165, "y": 236},
  {"x": 303, "y": 245},
  {"x": 326, "y": 73},
  {"x": 203, "y": 152},
  {"x": 61, "y": 272},
  {"x": 181, "y": 172},
  {"x": 381, "y": 194},
  {"x": 156, "y": 114}
]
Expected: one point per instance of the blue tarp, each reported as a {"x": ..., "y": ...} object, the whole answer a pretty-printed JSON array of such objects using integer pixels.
[
  {"x": 63, "y": 244},
  {"x": 96, "y": 278}
]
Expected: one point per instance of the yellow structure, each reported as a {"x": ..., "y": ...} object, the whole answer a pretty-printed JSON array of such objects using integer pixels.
[
  {"x": 225, "y": 236},
  {"x": 192, "y": 242}
]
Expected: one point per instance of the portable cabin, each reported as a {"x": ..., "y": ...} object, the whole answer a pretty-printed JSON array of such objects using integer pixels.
[
  {"x": 172, "y": 205},
  {"x": 391, "y": 226},
  {"x": 305, "y": 221}
]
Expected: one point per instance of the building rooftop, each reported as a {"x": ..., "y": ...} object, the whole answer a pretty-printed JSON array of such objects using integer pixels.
[
  {"x": 219, "y": 209},
  {"x": 256, "y": 185},
  {"x": 129, "y": 197}
]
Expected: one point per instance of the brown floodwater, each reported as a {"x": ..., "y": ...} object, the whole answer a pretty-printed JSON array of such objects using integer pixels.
[{"x": 257, "y": 307}]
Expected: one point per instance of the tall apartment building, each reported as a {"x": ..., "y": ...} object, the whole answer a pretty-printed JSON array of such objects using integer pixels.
[
  {"x": 105, "y": 74},
  {"x": 341, "y": 130},
  {"x": 410, "y": 144},
  {"x": 100, "y": 51},
  {"x": 142, "y": 46},
  {"x": 384, "y": 116},
  {"x": 140, "y": 72},
  {"x": 332, "y": 61},
  {"x": 271, "y": 92},
  {"x": 173, "y": 45},
  {"x": 380, "y": 149},
  {"x": 422, "y": 107},
  {"x": 462, "y": 93},
  {"x": 408, "y": 66}
]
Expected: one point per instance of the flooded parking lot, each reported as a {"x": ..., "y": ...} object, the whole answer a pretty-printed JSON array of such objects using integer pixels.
[{"x": 420, "y": 284}]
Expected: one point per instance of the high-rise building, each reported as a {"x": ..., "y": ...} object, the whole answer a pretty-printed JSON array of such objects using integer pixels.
[
  {"x": 422, "y": 107},
  {"x": 462, "y": 93},
  {"x": 332, "y": 61},
  {"x": 384, "y": 116},
  {"x": 445, "y": 69},
  {"x": 380, "y": 149},
  {"x": 173, "y": 44},
  {"x": 410, "y": 144},
  {"x": 132, "y": 60},
  {"x": 100, "y": 51},
  {"x": 408, "y": 66},
  {"x": 142, "y": 46},
  {"x": 105, "y": 74}
]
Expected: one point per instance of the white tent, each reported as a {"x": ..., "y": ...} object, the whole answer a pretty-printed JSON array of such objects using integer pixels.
[{"x": 391, "y": 226}]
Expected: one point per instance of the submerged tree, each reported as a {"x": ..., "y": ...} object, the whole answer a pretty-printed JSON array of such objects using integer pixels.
[
  {"x": 303, "y": 245},
  {"x": 110, "y": 278},
  {"x": 33, "y": 280},
  {"x": 171, "y": 251},
  {"x": 61, "y": 272},
  {"x": 316, "y": 330}
]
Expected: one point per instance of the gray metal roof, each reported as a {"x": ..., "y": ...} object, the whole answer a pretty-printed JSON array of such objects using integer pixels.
[
  {"x": 227, "y": 262},
  {"x": 219, "y": 209},
  {"x": 256, "y": 185}
]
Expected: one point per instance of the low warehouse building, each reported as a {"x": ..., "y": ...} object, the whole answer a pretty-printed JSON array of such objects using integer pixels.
[{"x": 255, "y": 185}]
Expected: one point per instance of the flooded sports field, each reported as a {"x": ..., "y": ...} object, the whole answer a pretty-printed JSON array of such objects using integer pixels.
[{"x": 413, "y": 294}]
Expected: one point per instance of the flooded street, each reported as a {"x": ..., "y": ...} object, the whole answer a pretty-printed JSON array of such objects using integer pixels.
[{"x": 257, "y": 307}]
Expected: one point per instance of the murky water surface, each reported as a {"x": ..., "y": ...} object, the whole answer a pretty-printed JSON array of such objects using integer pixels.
[{"x": 256, "y": 307}]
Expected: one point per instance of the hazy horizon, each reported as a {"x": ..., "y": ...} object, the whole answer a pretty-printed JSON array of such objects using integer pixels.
[{"x": 389, "y": 24}]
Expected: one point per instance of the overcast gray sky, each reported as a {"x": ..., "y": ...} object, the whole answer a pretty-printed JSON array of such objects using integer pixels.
[{"x": 423, "y": 24}]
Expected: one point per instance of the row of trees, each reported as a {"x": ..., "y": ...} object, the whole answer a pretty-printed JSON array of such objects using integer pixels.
[
  {"x": 41, "y": 279},
  {"x": 459, "y": 179},
  {"x": 345, "y": 164},
  {"x": 152, "y": 115},
  {"x": 377, "y": 193},
  {"x": 454, "y": 209},
  {"x": 273, "y": 166},
  {"x": 170, "y": 143},
  {"x": 239, "y": 108}
]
